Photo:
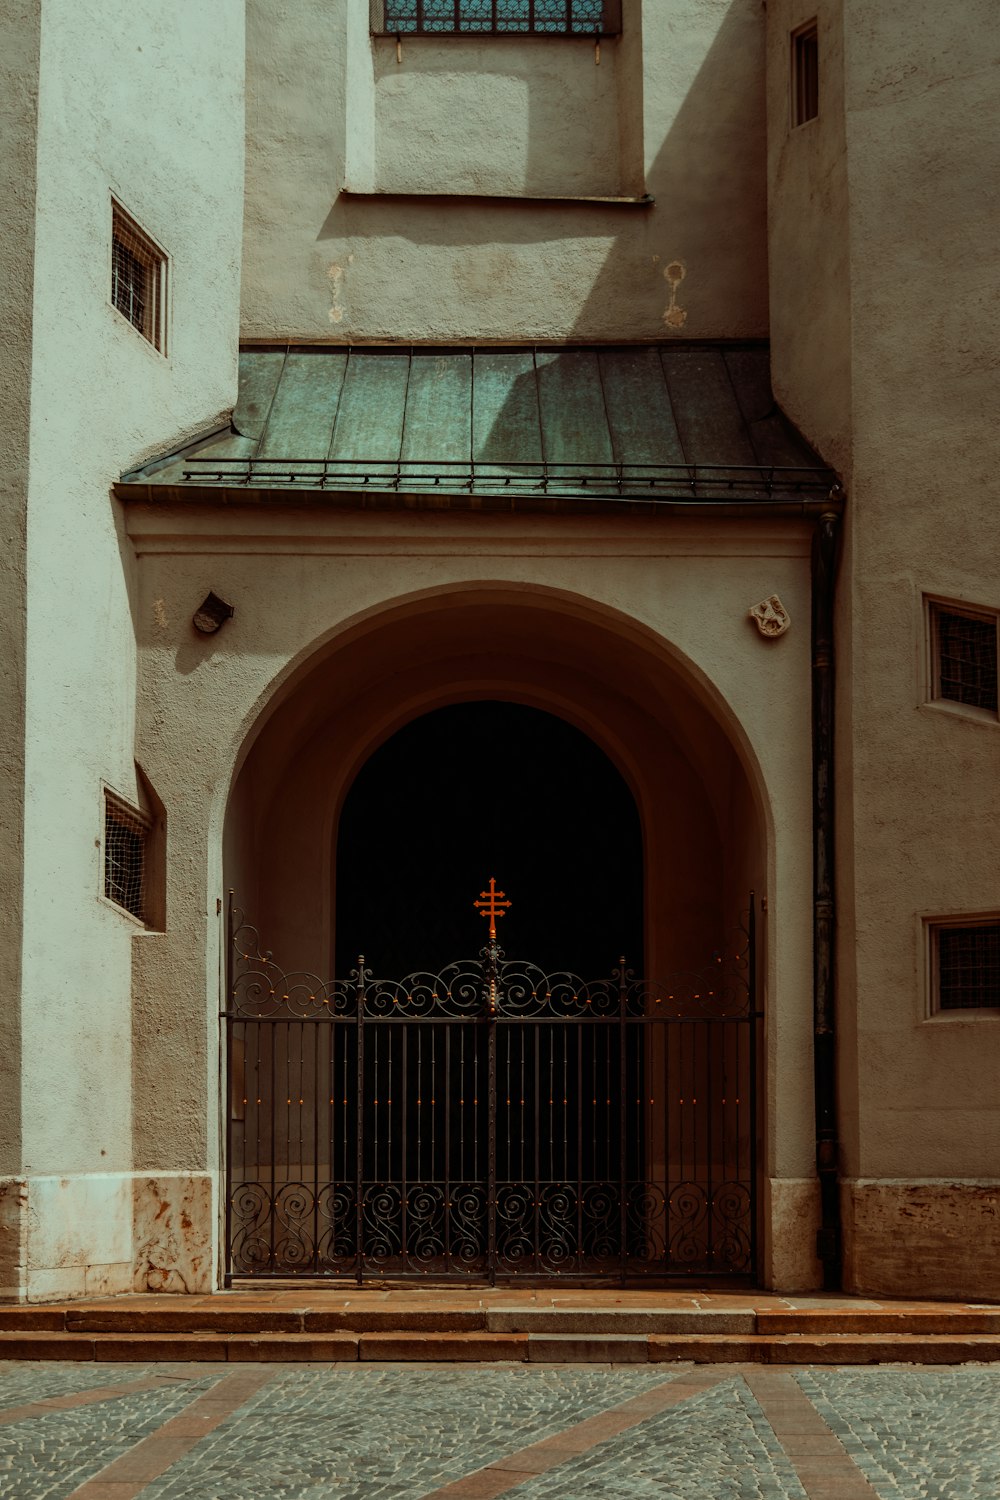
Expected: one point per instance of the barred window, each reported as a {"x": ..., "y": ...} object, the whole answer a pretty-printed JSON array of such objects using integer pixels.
[
  {"x": 496, "y": 17},
  {"x": 966, "y": 966},
  {"x": 126, "y": 831},
  {"x": 138, "y": 278},
  {"x": 964, "y": 656}
]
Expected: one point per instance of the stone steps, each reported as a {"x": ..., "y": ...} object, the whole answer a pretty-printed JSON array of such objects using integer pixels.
[{"x": 136, "y": 1331}]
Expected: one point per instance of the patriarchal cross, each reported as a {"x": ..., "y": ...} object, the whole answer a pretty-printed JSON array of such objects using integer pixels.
[{"x": 492, "y": 904}]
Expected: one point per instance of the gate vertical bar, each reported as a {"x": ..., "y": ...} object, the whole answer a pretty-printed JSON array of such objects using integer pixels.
[
  {"x": 708, "y": 1095},
  {"x": 360, "y": 1124},
  {"x": 317, "y": 1033},
  {"x": 228, "y": 971},
  {"x": 447, "y": 1086},
  {"x": 273, "y": 1136},
  {"x": 623, "y": 1117},
  {"x": 491, "y": 1104},
  {"x": 579, "y": 1145},
  {"x": 753, "y": 1029},
  {"x": 404, "y": 1137},
  {"x": 536, "y": 1221}
]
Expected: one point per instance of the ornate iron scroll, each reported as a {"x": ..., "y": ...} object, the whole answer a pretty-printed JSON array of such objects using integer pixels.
[{"x": 490, "y": 1121}]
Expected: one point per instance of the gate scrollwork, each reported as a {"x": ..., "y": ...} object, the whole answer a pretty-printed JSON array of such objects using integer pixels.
[{"x": 491, "y": 1120}]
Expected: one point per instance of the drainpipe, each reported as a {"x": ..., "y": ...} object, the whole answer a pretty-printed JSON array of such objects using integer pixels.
[{"x": 824, "y": 561}]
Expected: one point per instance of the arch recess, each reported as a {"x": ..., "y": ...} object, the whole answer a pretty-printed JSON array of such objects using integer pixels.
[{"x": 679, "y": 746}]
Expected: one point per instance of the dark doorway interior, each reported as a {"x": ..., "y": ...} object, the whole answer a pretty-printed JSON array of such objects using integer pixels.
[{"x": 478, "y": 790}]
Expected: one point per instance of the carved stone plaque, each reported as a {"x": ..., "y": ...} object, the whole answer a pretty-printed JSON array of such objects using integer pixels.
[{"x": 771, "y": 617}]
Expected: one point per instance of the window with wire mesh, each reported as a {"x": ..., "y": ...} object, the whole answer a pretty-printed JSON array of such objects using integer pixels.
[
  {"x": 966, "y": 962},
  {"x": 964, "y": 656},
  {"x": 496, "y": 17},
  {"x": 805, "y": 73},
  {"x": 126, "y": 834},
  {"x": 138, "y": 278}
]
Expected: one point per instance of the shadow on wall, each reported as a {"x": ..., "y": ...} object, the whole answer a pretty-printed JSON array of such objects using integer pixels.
[{"x": 693, "y": 265}]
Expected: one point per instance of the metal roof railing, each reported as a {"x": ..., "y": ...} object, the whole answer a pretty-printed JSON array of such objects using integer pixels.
[{"x": 539, "y": 477}]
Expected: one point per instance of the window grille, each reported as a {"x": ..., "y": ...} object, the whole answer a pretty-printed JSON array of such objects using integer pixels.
[
  {"x": 496, "y": 17},
  {"x": 138, "y": 278},
  {"x": 967, "y": 966},
  {"x": 805, "y": 74},
  {"x": 964, "y": 656},
  {"x": 126, "y": 833}
]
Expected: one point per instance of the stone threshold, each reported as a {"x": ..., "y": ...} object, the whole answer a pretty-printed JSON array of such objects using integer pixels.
[
  {"x": 556, "y": 1327},
  {"x": 520, "y": 1348}
]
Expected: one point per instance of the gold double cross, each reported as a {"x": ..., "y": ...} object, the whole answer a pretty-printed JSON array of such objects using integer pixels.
[{"x": 492, "y": 904}]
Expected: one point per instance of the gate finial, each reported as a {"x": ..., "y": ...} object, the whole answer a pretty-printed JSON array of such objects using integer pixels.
[{"x": 492, "y": 904}]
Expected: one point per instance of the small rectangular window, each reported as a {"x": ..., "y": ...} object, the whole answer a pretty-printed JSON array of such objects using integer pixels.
[
  {"x": 805, "y": 73},
  {"x": 495, "y": 17},
  {"x": 964, "y": 656},
  {"x": 138, "y": 278},
  {"x": 965, "y": 965},
  {"x": 126, "y": 832}
]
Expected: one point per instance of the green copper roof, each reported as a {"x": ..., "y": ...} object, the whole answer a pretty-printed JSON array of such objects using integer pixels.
[{"x": 669, "y": 422}]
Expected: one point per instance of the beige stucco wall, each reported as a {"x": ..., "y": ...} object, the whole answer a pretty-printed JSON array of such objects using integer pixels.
[
  {"x": 149, "y": 107},
  {"x": 301, "y": 581},
  {"x": 918, "y": 784},
  {"x": 20, "y": 27},
  {"x": 680, "y": 117}
]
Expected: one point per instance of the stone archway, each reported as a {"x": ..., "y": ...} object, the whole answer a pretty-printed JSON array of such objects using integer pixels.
[
  {"x": 703, "y": 850},
  {"x": 702, "y": 821}
]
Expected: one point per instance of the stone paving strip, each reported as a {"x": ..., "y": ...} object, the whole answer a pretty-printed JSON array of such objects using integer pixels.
[
  {"x": 390, "y": 1432},
  {"x": 48, "y": 1454},
  {"x": 516, "y": 1468},
  {"x": 78, "y": 1398},
  {"x": 127, "y": 1476},
  {"x": 822, "y": 1463}
]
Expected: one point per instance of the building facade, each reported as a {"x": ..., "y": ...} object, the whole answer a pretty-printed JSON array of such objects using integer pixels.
[{"x": 363, "y": 362}]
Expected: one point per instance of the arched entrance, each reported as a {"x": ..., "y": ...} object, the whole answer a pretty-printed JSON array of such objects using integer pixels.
[
  {"x": 488, "y": 1118},
  {"x": 478, "y": 789}
]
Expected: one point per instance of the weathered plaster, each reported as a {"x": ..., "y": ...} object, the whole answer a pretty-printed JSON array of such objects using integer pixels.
[
  {"x": 514, "y": 116},
  {"x": 885, "y": 330},
  {"x": 148, "y": 107},
  {"x": 20, "y": 29}
]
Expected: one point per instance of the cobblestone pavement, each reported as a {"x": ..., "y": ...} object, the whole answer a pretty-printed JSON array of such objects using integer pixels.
[{"x": 676, "y": 1432}]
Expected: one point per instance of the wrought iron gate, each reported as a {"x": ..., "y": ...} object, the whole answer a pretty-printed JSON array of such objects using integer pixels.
[{"x": 490, "y": 1121}]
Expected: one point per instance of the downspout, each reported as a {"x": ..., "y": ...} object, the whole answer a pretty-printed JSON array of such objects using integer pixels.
[{"x": 824, "y": 562}]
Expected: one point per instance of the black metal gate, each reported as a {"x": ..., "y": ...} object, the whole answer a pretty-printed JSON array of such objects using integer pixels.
[{"x": 490, "y": 1121}]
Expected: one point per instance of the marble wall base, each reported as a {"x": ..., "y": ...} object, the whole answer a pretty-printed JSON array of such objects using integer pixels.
[
  {"x": 174, "y": 1227},
  {"x": 791, "y": 1219},
  {"x": 922, "y": 1239},
  {"x": 97, "y": 1235}
]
